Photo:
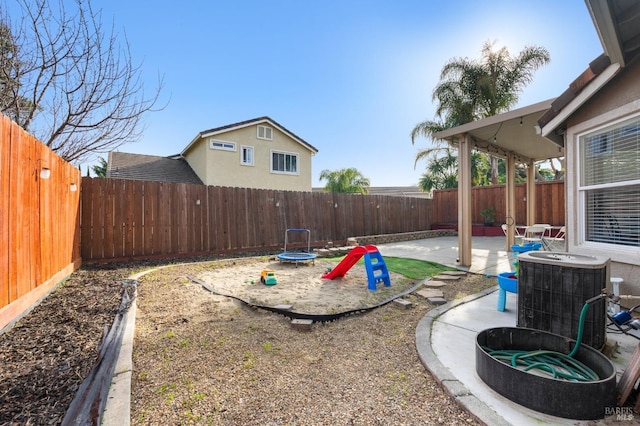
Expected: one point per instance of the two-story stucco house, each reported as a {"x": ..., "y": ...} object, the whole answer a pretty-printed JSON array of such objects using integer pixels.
[{"x": 257, "y": 153}]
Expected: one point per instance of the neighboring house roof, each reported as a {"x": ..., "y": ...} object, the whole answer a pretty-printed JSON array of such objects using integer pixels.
[
  {"x": 393, "y": 191},
  {"x": 247, "y": 123},
  {"x": 398, "y": 191},
  {"x": 122, "y": 165}
]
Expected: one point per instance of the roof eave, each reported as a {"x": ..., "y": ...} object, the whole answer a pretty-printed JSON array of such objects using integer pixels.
[
  {"x": 243, "y": 124},
  {"x": 605, "y": 25},
  {"x": 598, "y": 82}
]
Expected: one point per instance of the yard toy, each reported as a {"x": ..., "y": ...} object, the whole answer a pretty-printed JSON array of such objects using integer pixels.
[
  {"x": 373, "y": 262},
  {"x": 297, "y": 256},
  {"x": 268, "y": 277}
]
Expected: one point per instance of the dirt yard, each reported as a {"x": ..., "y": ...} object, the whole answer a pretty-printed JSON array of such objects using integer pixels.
[
  {"x": 200, "y": 358},
  {"x": 206, "y": 359}
]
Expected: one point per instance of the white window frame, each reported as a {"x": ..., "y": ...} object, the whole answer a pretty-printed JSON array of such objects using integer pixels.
[
  {"x": 252, "y": 151},
  {"x": 222, "y": 145},
  {"x": 620, "y": 252},
  {"x": 286, "y": 154},
  {"x": 265, "y": 133}
]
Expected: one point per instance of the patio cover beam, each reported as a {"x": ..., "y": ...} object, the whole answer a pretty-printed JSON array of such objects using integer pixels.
[{"x": 512, "y": 135}]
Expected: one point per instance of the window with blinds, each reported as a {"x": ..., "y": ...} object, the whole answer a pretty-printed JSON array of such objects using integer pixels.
[
  {"x": 610, "y": 184},
  {"x": 284, "y": 162}
]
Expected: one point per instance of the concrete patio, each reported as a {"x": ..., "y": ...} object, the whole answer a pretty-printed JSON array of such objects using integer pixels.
[{"x": 445, "y": 338}]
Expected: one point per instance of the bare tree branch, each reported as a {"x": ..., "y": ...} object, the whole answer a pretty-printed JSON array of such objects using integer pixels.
[{"x": 76, "y": 87}]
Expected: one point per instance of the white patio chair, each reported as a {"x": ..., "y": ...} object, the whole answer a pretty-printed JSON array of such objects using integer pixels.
[
  {"x": 556, "y": 242},
  {"x": 534, "y": 233},
  {"x": 518, "y": 235}
]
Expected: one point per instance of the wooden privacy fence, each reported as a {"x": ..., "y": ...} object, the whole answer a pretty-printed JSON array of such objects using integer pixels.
[
  {"x": 39, "y": 224},
  {"x": 550, "y": 206},
  {"x": 124, "y": 219}
]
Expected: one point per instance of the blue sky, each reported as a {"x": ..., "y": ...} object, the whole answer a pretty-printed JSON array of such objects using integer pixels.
[{"x": 351, "y": 77}]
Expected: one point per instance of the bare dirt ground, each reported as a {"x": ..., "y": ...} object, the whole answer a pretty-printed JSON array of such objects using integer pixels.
[
  {"x": 200, "y": 358},
  {"x": 206, "y": 359},
  {"x": 48, "y": 353}
]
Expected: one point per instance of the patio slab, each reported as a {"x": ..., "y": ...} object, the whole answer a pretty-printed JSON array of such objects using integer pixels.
[{"x": 445, "y": 337}]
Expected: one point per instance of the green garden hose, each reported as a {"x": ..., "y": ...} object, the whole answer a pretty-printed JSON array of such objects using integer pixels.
[{"x": 551, "y": 363}]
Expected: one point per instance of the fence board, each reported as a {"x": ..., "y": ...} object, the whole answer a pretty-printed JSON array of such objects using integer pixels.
[
  {"x": 550, "y": 205},
  {"x": 165, "y": 218},
  {"x": 39, "y": 240},
  {"x": 5, "y": 153}
]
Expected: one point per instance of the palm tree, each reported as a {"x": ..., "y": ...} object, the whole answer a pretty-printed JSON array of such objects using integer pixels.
[
  {"x": 442, "y": 170},
  {"x": 348, "y": 180},
  {"x": 470, "y": 90}
]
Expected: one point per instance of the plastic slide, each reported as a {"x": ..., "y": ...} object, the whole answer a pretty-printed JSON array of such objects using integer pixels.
[{"x": 345, "y": 264}]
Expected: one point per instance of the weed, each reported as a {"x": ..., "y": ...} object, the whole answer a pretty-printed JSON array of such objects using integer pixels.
[
  {"x": 143, "y": 375},
  {"x": 170, "y": 334},
  {"x": 249, "y": 362},
  {"x": 268, "y": 347},
  {"x": 184, "y": 343},
  {"x": 163, "y": 388},
  {"x": 170, "y": 398}
]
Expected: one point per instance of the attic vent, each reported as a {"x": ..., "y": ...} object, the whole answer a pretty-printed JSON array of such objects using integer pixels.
[{"x": 265, "y": 132}]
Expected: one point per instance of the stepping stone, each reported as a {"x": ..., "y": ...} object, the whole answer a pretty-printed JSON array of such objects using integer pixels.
[
  {"x": 437, "y": 300},
  {"x": 283, "y": 307},
  {"x": 302, "y": 324},
  {"x": 403, "y": 303},
  {"x": 434, "y": 284},
  {"x": 446, "y": 277},
  {"x": 454, "y": 273},
  {"x": 430, "y": 292}
]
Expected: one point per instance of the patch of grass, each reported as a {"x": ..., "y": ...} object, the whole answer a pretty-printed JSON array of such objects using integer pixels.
[
  {"x": 163, "y": 388},
  {"x": 269, "y": 347},
  {"x": 411, "y": 268},
  {"x": 249, "y": 362}
]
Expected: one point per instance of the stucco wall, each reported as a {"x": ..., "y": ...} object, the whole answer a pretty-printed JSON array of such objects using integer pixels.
[
  {"x": 197, "y": 159},
  {"x": 224, "y": 168},
  {"x": 618, "y": 100}
]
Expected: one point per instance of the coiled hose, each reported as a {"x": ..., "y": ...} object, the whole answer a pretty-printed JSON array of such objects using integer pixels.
[{"x": 551, "y": 363}]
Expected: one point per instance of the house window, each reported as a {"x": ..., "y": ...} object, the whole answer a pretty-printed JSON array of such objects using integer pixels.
[
  {"x": 609, "y": 184},
  {"x": 223, "y": 145},
  {"x": 246, "y": 155},
  {"x": 284, "y": 162},
  {"x": 265, "y": 132}
]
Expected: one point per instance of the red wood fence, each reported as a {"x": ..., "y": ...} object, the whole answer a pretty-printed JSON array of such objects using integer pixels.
[
  {"x": 550, "y": 206},
  {"x": 39, "y": 223},
  {"x": 125, "y": 219}
]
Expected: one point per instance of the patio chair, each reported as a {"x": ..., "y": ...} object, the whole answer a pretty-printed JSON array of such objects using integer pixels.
[
  {"x": 549, "y": 242},
  {"x": 534, "y": 233},
  {"x": 518, "y": 235}
]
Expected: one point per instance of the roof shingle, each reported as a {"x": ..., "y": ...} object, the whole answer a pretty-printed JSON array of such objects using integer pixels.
[{"x": 122, "y": 165}]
